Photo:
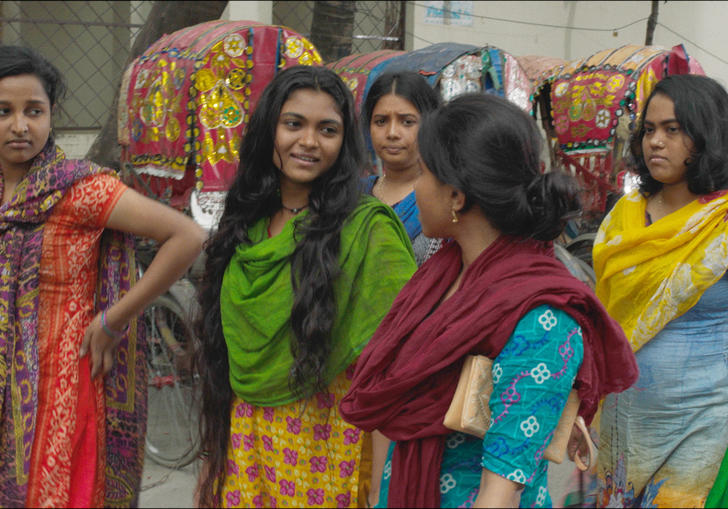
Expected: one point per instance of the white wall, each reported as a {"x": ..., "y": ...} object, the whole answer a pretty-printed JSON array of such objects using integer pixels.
[
  {"x": 252, "y": 10},
  {"x": 703, "y": 23}
]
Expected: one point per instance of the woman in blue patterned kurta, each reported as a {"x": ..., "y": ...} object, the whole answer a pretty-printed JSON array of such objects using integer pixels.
[
  {"x": 497, "y": 290},
  {"x": 539, "y": 364}
]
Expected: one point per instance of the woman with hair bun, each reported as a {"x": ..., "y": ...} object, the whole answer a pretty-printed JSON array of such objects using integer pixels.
[
  {"x": 495, "y": 289},
  {"x": 660, "y": 258}
]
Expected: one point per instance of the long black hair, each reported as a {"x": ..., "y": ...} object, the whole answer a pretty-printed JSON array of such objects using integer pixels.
[
  {"x": 17, "y": 60},
  {"x": 314, "y": 264},
  {"x": 701, "y": 109},
  {"x": 489, "y": 149}
]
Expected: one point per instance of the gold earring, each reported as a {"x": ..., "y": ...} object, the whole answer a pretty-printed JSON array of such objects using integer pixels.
[{"x": 454, "y": 216}]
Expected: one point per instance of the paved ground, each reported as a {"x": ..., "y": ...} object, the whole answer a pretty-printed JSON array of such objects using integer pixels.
[{"x": 164, "y": 487}]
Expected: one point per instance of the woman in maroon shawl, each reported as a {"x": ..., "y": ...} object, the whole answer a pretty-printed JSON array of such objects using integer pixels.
[{"x": 495, "y": 289}]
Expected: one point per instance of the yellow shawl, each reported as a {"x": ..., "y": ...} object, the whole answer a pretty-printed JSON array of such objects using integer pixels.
[{"x": 650, "y": 275}]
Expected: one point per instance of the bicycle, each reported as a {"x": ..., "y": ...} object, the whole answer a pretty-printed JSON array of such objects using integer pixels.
[{"x": 172, "y": 438}]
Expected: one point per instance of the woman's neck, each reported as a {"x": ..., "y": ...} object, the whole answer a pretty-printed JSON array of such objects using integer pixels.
[
  {"x": 394, "y": 185},
  {"x": 11, "y": 176},
  {"x": 474, "y": 234},
  {"x": 294, "y": 199},
  {"x": 676, "y": 196},
  {"x": 669, "y": 199},
  {"x": 294, "y": 196}
]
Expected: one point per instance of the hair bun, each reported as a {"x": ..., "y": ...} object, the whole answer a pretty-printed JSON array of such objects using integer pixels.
[{"x": 552, "y": 199}]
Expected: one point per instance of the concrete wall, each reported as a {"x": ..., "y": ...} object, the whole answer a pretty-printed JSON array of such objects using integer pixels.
[
  {"x": 253, "y": 10},
  {"x": 702, "y": 23}
]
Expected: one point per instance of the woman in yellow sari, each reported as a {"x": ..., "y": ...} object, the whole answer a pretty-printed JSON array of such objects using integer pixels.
[{"x": 660, "y": 258}]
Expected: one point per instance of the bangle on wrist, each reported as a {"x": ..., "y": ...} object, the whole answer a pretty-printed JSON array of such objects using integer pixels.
[{"x": 114, "y": 334}]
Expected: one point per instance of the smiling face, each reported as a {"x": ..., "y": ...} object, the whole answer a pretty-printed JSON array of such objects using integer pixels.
[
  {"x": 665, "y": 144},
  {"x": 309, "y": 135},
  {"x": 25, "y": 121},
  {"x": 393, "y": 129}
]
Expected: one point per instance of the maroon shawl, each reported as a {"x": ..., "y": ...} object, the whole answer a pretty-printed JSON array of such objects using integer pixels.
[{"x": 406, "y": 376}]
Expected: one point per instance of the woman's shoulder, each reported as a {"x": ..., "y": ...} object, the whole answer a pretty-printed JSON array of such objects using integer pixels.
[
  {"x": 374, "y": 208},
  {"x": 92, "y": 196},
  {"x": 377, "y": 222},
  {"x": 367, "y": 183},
  {"x": 543, "y": 332},
  {"x": 543, "y": 319}
]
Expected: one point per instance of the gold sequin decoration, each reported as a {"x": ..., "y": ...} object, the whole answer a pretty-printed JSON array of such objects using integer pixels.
[
  {"x": 205, "y": 79},
  {"x": 234, "y": 45},
  {"x": 172, "y": 129},
  {"x": 294, "y": 47},
  {"x": 220, "y": 108},
  {"x": 236, "y": 79},
  {"x": 306, "y": 59}
]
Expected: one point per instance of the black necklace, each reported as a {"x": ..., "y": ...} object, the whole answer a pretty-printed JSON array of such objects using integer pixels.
[{"x": 294, "y": 210}]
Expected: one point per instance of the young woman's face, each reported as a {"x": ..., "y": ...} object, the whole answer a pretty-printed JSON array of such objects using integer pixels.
[
  {"x": 393, "y": 129},
  {"x": 25, "y": 120},
  {"x": 309, "y": 135},
  {"x": 434, "y": 203},
  {"x": 665, "y": 145}
]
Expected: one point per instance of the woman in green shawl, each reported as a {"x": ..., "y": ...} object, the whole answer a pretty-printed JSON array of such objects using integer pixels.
[{"x": 298, "y": 276}]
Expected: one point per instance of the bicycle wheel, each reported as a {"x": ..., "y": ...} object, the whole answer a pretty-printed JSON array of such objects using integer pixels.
[{"x": 172, "y": 438}]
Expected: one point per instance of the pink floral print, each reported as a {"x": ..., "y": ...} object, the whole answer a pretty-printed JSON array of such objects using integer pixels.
[
  {"x": 290, "y": 456},
  {"x": 321, "y": 431},
  {"x": 318, "y": 463},
  {"x": 288, "y": 488},
  {"x": 351, "y": 436},
  {"x": 244, "y": 410},
  {"x": 346, "y": 468},
  {"x": 270, "y": 473},
  {"x": 252, "y": 472},
  {"x": 315, "y": 496},
  {"x": 248, "y": 441},
  {"x": 233, "y": 498},
  {"x": 288, "y": 450},
  {"x": 343, "y": 499},
  {"x": 294, "y": 425},
  {"x": 258, "y": 501},
  {"x": 267, "y": 443}
]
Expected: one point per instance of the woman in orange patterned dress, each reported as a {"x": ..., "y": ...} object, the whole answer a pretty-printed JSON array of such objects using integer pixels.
[{"x": 72, "y": 367}]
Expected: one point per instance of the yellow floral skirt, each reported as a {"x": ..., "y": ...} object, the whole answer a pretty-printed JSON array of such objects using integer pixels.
[{"x": 298, "y": 455}]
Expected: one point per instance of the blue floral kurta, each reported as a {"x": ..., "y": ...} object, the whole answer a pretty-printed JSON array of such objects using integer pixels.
[{"x": 532, "y": 378}]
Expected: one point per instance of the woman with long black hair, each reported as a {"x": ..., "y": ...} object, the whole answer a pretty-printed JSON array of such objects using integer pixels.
[{"x": 298, "y": 276}]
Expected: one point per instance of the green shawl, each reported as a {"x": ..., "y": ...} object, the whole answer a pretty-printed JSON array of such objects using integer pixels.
[
  {"x": 256, "y": 297},
  {"x": 718, "y": 496}
]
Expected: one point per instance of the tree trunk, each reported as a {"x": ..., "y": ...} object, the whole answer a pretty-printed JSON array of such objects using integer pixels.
[
  {"x": 394, "y": 18},
  {"x": 164, "y": 18},
  {"x": 332, "y": 28},
  {"x": 652, "y": 23}
]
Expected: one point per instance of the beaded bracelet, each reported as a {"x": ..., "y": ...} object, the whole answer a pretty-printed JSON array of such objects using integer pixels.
[{"x": 114, "y": 334}]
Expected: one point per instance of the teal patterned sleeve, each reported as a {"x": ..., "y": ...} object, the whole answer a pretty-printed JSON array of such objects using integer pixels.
[{"x": 532, "y": 378}]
